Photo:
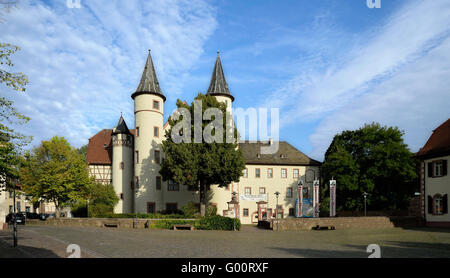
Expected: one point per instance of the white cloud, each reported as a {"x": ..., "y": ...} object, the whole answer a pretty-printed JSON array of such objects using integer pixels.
[
  {"x": 383, "y": 79},
  {"x": 84, "y": 64}
]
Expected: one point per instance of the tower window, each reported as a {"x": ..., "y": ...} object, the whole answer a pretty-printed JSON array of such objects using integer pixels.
[
  {"x": 158, "y": 183},
  {"x": 156, "y": 131},
  {"x": 257, "y": 173},
  {"x": 137, "y": 131},
  {"x": 270, "y": 173},
  {"x": 122, "y": 165},
  {"x": 156, "y": 104},
  {"x": 137, "y": 157},
  {"x": 136, "y": 182},
  {"x": 157, "y": 157},
  {"x": 284, "y": 173}
]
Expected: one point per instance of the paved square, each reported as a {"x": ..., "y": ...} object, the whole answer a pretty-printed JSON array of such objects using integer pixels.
[{"x": 48, "y": 242}]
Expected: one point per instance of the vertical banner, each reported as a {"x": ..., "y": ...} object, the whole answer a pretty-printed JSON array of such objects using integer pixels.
[
  {"x": 332, "y": 198},
  {"x": 316, "y": 198},
  {"x": 300, "y": 200}
]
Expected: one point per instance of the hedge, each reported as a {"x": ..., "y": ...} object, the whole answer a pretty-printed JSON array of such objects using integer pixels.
[
  {"x": 218, "y": 222},
  {"x": 143, "y": 215}
]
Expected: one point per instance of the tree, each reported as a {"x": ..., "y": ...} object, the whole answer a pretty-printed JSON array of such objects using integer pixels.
[
  {"x": 83, "y": 150},
  {"x": 56, "y": 172},
  {"x": 11, "y": 141},
  {"x": 200, "y": 165},
  {"x": 102, "y": 199},
  {"x": 372, "y": 159}
]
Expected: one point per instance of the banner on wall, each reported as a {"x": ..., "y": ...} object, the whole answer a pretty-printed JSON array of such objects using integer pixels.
[
  {"x": 300, "y": 200},
  {"x": 316, "y": 198},
  {"x": 332, "y": 198}
]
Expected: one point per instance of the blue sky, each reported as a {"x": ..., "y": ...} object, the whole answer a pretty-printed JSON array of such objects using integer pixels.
[{"x": 329, "y": 65}]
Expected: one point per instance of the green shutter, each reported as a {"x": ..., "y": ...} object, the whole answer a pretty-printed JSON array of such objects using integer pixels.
[
  {"x": 445, "y": 204},
  {"x": 430, "y": 169},
  {"x": 430, "y": 204},
  {"x": 444, "y": 167}
]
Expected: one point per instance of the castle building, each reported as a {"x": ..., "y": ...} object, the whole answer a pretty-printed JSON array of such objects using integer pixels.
[{"x": 130, "y": 160}]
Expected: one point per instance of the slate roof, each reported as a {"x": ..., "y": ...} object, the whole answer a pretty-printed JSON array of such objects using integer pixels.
[
  {"x": 438, "y": 144},
  {"x": 100, "y": 147},
  {"x": 286, "y": 155},
  {"x": 121, "y": 127},
  {"x": 218, "y": 84},
  {"x": 149, "y": 82}
]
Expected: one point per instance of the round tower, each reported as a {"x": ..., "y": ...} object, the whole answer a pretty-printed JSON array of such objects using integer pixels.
[
  {"x": 148, "y": 114},
  {"x": 122, "y": 166}
]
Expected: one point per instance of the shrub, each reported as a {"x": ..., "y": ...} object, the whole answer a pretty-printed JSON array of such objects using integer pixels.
[
  {"x": 211, "y": 211},
  {"x": 218, "y": 222},
  {"x": 168, "y": 224},
  {"x": 190, "y": 210}
]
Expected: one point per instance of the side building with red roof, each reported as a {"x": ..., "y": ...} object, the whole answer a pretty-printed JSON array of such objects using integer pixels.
[{"x": 434, "y": 177}]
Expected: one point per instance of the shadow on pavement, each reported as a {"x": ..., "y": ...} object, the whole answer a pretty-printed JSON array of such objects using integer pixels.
[
  {"x": 400, "y": 249},
  {"x": 316, "y": 253},
  {"x": 21, "y": 251}
]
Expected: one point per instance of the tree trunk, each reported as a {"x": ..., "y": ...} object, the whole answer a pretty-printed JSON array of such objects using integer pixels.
[{"x": 58, "y": 210}]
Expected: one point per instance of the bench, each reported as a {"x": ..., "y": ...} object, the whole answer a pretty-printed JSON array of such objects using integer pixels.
[
  {"x": 111, "y": 225},
  {"x": 318, "y": 228},
  {"x": 183, "y": 227}
]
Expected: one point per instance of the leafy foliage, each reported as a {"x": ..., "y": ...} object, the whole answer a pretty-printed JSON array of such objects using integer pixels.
[
  {"x": 11, "y": 141},
  {"x": 201, "y": 165},
  {"x": 372, "y": 159},
  {"x": 56, "y": 172}
]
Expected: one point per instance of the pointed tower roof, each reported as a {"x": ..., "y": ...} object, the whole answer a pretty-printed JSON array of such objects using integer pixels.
[
  {"x": 218, "y": 84},
  {"x": 121, "y": 127},
  {"x": 149, "y": 82}
]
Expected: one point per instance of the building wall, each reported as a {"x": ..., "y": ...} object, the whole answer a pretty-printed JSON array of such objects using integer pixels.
[
  {"x": 436, "y": 185},
  {"x": 101, "y": 172},
  {"x": 271, "y": 185}
]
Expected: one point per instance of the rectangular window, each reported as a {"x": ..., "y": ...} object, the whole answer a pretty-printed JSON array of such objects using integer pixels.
[
  {"x": 270, "y": 173},
  {"x": 284, "y": 173},
  {"x": 136, "y": 182},
  {"x": 296, "y": 174},
  {"x": 137, "y": 131},
  {"x": 257, "y": 173},
  {"x": 262, "y": 190},
  {"x": 291, "y": 211},
  {"x": 248, "y": 191},
  {"x": 245, "y": 173},
  {"x": 245, "y": 212},
  {"x": 289, "y": 192},
  {"x": 172, "y": 186},
  {"x": 122, "y": 165},
  {"x": 158, "y": 183},
  {"x": 156, "y": 131},
  {"x": 157, "y": 157},
  {"x": 136, "y": 157},
  {"x": 171, "y": 207},
  {"x": 438, "y": 169},
  {"x": 151, "y": 208},
  {"x": 27, "y": 209},
  {"x": 11, "y": 208},
  {"x": 11, "y": 194},
  {"x": 156, "y": 104}
]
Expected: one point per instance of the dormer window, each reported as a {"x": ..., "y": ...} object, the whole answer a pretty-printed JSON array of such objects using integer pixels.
[
  {"x": 282, "y": 155},
  {"x": 258, "y": 155},
  {"x": 104, "y": 145}
]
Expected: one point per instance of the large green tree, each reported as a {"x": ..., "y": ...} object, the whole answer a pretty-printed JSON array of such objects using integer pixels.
[
  {"x": 200, "y": 165},
  {"x": 372, "y": 159},
  {"x": 11, "y": 142},
  {"x": 56, "y": 172}
]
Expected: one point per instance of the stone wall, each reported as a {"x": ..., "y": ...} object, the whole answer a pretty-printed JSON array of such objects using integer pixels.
[
  {"x": 303, "y": 224},
  {"x": 96, "y": 222}
]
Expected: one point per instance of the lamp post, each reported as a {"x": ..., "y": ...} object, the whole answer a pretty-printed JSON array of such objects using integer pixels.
[
  {"x": 14, "y": 217},
  {"x": 365, "y": 207},
  {"x": 234, "y": 207},
  {"x": 276, "y": 208}
]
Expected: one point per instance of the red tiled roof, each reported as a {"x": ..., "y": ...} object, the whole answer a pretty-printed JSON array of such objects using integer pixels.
[
  {"x": 439, "y": 142},
  {"x": 100, "y": 147}
]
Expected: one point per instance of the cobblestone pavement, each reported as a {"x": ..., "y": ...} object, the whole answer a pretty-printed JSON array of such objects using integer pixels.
[{"x": 48, "y": 242}]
